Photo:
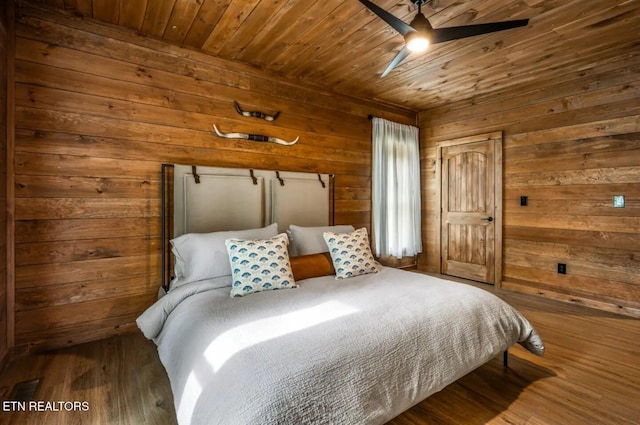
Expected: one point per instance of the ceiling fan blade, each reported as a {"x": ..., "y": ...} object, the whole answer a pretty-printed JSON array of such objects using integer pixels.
[
  {"x": 402, "y": 54},
  {"x": 454, "y": 33},
  {"x": 397, "y": 23}
]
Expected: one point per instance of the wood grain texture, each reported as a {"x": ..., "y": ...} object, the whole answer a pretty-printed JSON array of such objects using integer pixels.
[
  {"x": 99, "y": 109},
  {"x": 4, "y": 142},
  {"x": 342, "y": 46},
  {"x": 86, "y": 370},
  {"x": 468, "y": 198},
  {"x": 580, "y": 380},
  {"x": 569, "y": 146}
]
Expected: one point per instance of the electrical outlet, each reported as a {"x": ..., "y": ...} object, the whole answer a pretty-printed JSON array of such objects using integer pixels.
[
  {"x": 524, "y": 201},
  {"x": 562, "y": 268}
]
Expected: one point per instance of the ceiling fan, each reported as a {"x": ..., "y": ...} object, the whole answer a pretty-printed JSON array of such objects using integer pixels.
[{"x": 419, "y": 34}]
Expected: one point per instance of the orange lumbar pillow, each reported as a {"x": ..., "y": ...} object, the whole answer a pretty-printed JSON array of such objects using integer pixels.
[{"x": 312, "y": 265}]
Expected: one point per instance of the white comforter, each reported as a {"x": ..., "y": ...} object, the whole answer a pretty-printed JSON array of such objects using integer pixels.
[{"x": 356, "y": 351}]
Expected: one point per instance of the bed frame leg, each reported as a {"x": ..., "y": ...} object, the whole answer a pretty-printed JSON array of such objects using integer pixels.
[{"x": 505, "y": 359}]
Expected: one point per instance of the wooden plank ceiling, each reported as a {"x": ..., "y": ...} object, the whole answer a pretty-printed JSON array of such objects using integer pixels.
[{"x": 340, "y": 45}]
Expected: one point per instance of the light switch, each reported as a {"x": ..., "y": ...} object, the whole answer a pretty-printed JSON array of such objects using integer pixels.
[{"x": 618, "y": 201}]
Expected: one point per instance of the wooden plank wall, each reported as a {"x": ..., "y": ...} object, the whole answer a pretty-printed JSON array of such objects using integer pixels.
[
  {"x": 98, "y": 109},
  {"x": 570, "y": 144},
  {"x": 3, "y": 184}
]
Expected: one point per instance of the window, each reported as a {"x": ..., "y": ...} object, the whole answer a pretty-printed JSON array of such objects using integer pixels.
[{"x": 396, "y": 189}]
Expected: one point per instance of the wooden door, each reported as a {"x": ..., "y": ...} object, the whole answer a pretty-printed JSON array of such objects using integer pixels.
[{"x": 468, "y": 222}]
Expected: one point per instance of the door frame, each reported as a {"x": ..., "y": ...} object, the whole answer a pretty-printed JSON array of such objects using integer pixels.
[{"x": 496, "y": 138}]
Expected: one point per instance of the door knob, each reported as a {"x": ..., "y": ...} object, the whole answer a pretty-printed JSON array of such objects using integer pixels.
[{"x": 488, "y": 219}]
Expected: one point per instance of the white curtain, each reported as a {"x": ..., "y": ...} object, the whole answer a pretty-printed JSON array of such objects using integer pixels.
[{"x": 396, "y": 189}]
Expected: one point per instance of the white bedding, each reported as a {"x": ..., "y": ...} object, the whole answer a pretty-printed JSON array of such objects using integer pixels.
[{"x": 356, "y": 351}]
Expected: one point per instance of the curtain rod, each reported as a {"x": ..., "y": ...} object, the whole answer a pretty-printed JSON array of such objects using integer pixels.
[{"x": 370, "y": 117}]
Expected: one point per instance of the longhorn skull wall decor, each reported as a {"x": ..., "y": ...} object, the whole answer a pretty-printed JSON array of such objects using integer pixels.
[
  {"x": 254, "y": 137},
  {"x": 256, "y": 114}
]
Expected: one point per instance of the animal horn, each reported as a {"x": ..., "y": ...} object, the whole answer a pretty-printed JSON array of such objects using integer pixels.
[
  {"x": 256, "y": 114},
  {"x": 254, "y": 137}
]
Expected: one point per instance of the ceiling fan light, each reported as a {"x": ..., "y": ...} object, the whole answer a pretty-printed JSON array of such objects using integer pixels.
[
  {"x": 419, "y": 39},
  {"x": 417, "y": 42}
]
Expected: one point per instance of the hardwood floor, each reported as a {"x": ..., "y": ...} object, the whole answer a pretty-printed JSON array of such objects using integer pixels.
[{"x": 590, "y": 374}]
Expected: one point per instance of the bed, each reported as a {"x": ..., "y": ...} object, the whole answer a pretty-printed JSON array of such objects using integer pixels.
[
  {"x": 328, "y": 352},
  {"x": 345, "y": 340}
]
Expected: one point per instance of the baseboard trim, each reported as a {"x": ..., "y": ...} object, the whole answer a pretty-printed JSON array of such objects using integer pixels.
[{"x": 604, "y": 305}]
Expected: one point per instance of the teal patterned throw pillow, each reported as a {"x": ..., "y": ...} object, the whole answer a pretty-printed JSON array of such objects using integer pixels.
[
  {"x": 351, "y": 253},
  {"x": 259, "y": 265}
]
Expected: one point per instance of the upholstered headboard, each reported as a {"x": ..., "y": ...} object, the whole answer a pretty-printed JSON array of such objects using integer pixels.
[{"x": 199, "y": 199}]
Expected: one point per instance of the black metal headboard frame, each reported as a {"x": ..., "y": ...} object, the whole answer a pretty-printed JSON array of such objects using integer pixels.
[
  {"x": 167, "y": 227},
  {"x": 332, "y": 205}
]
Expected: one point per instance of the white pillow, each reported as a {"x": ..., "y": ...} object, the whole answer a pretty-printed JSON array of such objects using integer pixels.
[
  {"x": 260, "y": 265},
  {"x": 309, "y": 240},
  {"x": 219, "y": 282},
  {"x": 350, "y": 253},
  {"x": 201, "y": 256}
]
